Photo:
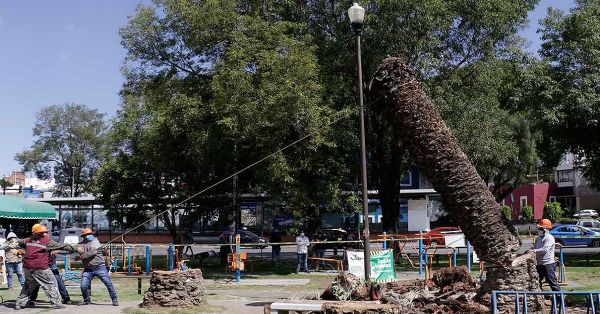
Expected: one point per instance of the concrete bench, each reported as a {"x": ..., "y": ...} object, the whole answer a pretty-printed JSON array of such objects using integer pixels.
[{"x": 286, "y": 307}]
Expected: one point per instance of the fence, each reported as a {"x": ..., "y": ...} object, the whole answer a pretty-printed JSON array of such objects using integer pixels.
[{"x": 558, "y": 300}]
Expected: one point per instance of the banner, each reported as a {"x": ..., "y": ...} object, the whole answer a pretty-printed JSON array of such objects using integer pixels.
[{"x": 382, "y": 265}]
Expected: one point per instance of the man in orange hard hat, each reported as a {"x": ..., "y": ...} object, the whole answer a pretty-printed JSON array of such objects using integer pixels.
[
  {"x": 544, "y": 254},
  {"x": 37, "y": 263},
  {"x": 93, "y": 259}
]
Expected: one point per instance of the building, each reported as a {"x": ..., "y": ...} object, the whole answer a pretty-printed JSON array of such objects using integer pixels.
[
  {"x": 532, "y": 194},
  {"x": 574, "y": 191}
]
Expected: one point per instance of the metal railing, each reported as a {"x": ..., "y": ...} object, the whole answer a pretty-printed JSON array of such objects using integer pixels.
[{"x": 558, "y": 300}]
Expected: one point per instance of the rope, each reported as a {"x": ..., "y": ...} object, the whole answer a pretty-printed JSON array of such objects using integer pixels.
[{"x": 230, "y": 176}]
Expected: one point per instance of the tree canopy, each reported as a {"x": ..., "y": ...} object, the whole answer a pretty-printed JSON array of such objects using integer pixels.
[{"x": 68, "y": 140}]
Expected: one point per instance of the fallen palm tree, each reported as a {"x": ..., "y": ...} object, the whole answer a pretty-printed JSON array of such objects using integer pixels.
[{"x": 464, "y": 193}]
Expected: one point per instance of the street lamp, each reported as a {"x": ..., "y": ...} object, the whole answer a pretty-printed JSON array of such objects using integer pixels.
[{"x": 356, "y": 13}]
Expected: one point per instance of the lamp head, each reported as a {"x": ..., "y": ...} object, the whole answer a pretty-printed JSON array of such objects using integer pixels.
[{"x": 356, "y": 13}]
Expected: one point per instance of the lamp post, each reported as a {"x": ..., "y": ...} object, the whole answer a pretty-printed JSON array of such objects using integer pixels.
[{"x": 356, "y": 13}]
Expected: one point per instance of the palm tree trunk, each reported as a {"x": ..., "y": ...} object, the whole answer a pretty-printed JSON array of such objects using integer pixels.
[{"x": 465, "y": 195}]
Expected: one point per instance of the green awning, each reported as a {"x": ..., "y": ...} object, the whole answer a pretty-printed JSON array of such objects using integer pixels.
[{"x": 21, "y": 208}]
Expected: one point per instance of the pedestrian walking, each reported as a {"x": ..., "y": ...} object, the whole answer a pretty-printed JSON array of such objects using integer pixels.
[
  {"x": 275, "y": 247},
  {"x": 544, "y": 254},
  {"x": 93, "y": 260},
  {"x": 13, "y": 259},
  {"x": 36, "y": 263},
  {"x": 302, "y": 243},
  {"x": 189, "y": 239}
]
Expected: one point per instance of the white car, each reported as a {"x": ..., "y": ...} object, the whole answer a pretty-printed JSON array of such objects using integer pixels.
[
  {"x": 586, "y": 213},
  {"x": 592, "y": 224}
]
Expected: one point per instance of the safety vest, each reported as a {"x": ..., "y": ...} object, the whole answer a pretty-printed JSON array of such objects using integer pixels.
[{"x": 36, "y": 256}]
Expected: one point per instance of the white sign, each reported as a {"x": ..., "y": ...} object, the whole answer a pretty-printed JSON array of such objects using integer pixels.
[
  {"x": 475, "y": 257},
  {"x": 71, "y": 239},
  {"x": 454, "y": 240},
  {"x": 2, "y": 269},
  {"x": 356, "y": 263}
]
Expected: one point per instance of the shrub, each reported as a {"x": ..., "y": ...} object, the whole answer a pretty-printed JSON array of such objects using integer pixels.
[
  {"x": 553, "y": 211},
  {"x": 527, "y": 212},
  {"x": 568, "y": 221},
  {"x": 507, "y": 211}
]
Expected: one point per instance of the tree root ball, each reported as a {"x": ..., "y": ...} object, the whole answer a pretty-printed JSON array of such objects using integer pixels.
[{"x": 178, "y": 289}]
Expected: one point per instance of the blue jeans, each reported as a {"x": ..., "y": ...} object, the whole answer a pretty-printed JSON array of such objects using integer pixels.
[
  {"x": 14, "y": 268},
  {"x": 86, "y": 282},
  {"x": 302, "y": 259}
]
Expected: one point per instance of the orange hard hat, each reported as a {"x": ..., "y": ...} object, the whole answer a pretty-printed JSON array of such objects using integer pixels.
[
  {"x": 39, "y": 229},
  {"x": 34, "y": 227},
  {"x": 545, "y": 223},
  {"x": 86, "y": 231}
]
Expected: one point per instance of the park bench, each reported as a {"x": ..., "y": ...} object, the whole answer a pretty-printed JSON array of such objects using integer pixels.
[
  {"x": 338, "y": 263},
  {"x": 300, "y": 306}
]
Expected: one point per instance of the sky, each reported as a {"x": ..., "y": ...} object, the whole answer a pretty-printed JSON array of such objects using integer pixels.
[{"x": 69, "y": 51}]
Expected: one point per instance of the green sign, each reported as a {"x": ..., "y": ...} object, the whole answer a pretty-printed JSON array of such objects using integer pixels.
[{"x": 382, "y": 266}]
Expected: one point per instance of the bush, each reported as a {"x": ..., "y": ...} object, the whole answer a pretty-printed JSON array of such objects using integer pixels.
[
  {"x": 568, "y": 221},
  {"x": 552, "y": 211},
  {"x": 527, "y": 212},
  {"x": 507, "y": 211}
]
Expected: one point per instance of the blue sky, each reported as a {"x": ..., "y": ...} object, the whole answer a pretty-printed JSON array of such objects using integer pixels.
[{"x": 61, "y": 51}]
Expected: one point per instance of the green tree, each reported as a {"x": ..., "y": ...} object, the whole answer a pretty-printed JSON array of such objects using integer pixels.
[
  {"x": 564, "y": 87},
  {"x": 4, "y": 184},
  {"x": 66, "y": 148},
  {"x": 211, "y": 88},
  {"x": 446, "y": 41}
]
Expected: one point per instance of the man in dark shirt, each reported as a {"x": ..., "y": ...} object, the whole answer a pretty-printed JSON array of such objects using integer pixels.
[{"x": 275, "y": 248}]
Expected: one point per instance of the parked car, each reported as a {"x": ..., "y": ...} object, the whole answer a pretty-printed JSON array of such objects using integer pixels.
[
  {"x": 337, "y": 234},
  {"x": 592, "y": 224},
  {"x": 436, "y": 236},
  {"x": 574, "y": 235},
  {"x": 246, "y": 237},
  {"x": 586, "y": 213}
]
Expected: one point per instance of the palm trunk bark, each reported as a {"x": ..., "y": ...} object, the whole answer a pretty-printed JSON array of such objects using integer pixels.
[{"x": 465, "y": 195}]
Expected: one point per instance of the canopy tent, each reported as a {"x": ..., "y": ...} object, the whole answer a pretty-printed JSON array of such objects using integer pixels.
[{"x": 20, "y": 208}]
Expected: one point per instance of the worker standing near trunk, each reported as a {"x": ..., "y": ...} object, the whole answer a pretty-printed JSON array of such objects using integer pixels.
[
  {"x": 544, "y": 254},
  {"x": 14, "y": 259},
  {"x": 37, "y": 263},
  {"x": 94, "y": 265}
]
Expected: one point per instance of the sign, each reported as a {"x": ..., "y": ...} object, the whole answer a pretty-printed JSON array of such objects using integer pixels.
[
  {"x": 356, "y": 263},
  {"x": 2, "y": 269},
  {"x": 454, "y": 240},
  {"x": 382, "y": 266},
  {"x": 475, "y": 257}
]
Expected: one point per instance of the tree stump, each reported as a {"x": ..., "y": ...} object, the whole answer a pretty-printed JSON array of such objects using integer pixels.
[{"x": 175, "y": 289}]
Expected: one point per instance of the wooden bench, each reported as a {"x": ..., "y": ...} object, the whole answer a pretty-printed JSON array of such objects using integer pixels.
[{"x": 339, "y": 263}]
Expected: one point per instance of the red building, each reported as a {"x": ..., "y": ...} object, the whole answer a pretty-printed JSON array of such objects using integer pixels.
[{"x": 534, "y": 195}]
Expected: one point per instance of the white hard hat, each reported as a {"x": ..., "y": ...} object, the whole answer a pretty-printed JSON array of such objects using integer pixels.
[{"x": 11, "y": 235}]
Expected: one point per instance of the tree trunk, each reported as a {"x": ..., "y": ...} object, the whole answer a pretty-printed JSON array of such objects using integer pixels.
[{"x": 465, "y": 195}]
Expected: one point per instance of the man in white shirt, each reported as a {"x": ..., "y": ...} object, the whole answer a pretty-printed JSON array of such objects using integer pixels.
[
  {"x": 544, "y": 254},
  {"x": 302, "y": 243}
]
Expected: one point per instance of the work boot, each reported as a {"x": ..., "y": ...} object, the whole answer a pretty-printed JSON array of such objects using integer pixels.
[
  {"x": 83, "y": 303},
  {"x": 115, "y": 302},
  {"x": 66, "y": 300}
]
